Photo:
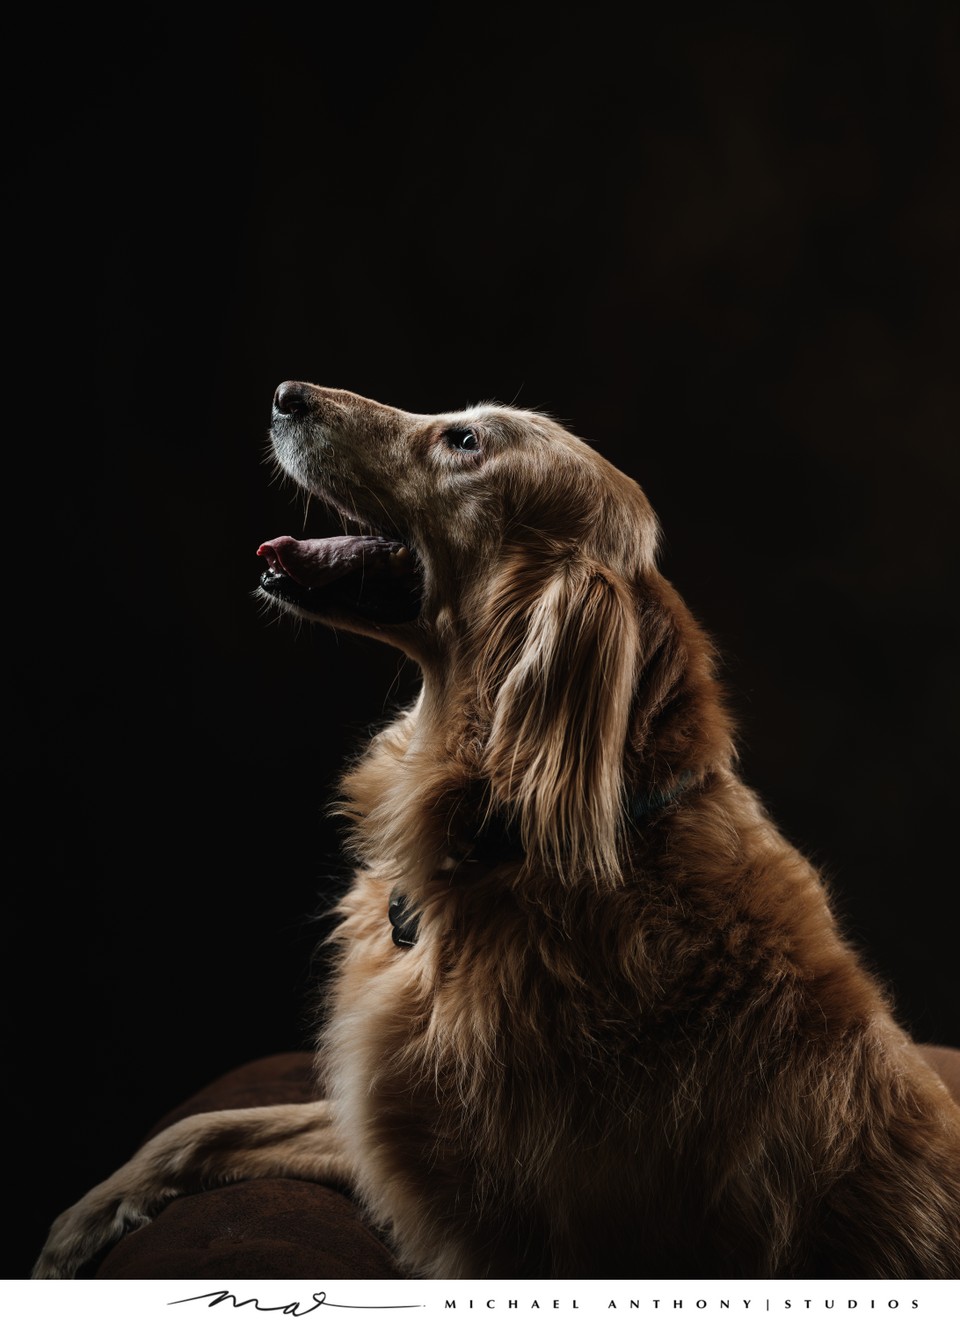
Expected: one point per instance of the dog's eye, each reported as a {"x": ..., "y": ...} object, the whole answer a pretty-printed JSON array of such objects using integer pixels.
[{"x": 461, "y": 440}]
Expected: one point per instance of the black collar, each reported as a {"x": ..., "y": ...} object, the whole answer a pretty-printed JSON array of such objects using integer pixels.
[
  {"x": 498, "y": 840},
  {"x": 644, "y": 804}
]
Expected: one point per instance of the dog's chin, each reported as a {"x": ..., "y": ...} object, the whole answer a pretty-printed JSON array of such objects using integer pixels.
[
  {"x": 361, "y": 581},
  {"x": 351, "y": 603}
]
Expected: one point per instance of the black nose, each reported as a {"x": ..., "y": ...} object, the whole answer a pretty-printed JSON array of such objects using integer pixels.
[{"x": 291, "y": 398}]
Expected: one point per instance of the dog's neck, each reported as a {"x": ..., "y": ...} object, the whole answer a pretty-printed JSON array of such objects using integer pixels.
[
  {"x": 416, "y": 817},
  {"x": 421, "y": 794},
  {"x": 497, "y": 843}
]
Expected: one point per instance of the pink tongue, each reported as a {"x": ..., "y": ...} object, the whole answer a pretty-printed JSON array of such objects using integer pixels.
[{"x": 315, "y": 562}]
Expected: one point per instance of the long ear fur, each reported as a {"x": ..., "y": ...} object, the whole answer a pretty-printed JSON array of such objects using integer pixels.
[{"x": 558, "y": 664}]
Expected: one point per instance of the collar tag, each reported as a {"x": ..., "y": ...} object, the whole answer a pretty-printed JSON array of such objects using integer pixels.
[{"x": 403, "y": 919}]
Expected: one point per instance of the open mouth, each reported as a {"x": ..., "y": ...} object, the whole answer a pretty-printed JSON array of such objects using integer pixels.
[{"x": 366, "y": 576}]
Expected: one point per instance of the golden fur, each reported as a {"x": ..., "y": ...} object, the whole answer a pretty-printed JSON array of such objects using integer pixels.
[{"x": 629, "y": 1040}]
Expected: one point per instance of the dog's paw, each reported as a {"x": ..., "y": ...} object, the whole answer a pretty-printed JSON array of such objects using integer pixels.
[{"x": 86, "y": 1229}]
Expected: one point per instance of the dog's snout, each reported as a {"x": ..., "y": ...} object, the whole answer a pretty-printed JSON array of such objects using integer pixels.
[{"x": 291, "y": 398}]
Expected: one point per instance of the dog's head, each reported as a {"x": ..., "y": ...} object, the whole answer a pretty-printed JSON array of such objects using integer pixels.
[
  {"x": 445, "y": 504},
  {"x": 505, "y": 556}
]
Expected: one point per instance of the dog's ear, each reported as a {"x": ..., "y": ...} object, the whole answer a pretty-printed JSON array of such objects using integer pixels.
[{"x": 558, "y": 663}]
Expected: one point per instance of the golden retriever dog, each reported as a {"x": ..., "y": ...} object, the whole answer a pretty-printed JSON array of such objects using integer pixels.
[{"x": 590, "y": 1015}]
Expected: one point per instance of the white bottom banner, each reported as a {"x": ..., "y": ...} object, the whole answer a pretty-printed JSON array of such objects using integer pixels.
[{"x": 456, "y": 1303}]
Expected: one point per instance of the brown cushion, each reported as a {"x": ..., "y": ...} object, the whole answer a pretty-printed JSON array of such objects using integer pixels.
[
  {"x": 270, "y": 1081},
  {"x": 278, "y": 1229},
  {"x": 282, "y": 1229}
]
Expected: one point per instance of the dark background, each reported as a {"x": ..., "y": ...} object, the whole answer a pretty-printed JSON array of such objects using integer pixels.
[{"x": 719, "y": 243}]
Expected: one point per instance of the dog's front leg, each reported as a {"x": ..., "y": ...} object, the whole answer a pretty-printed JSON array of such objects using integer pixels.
[{"x": 202, "y": 1151}]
